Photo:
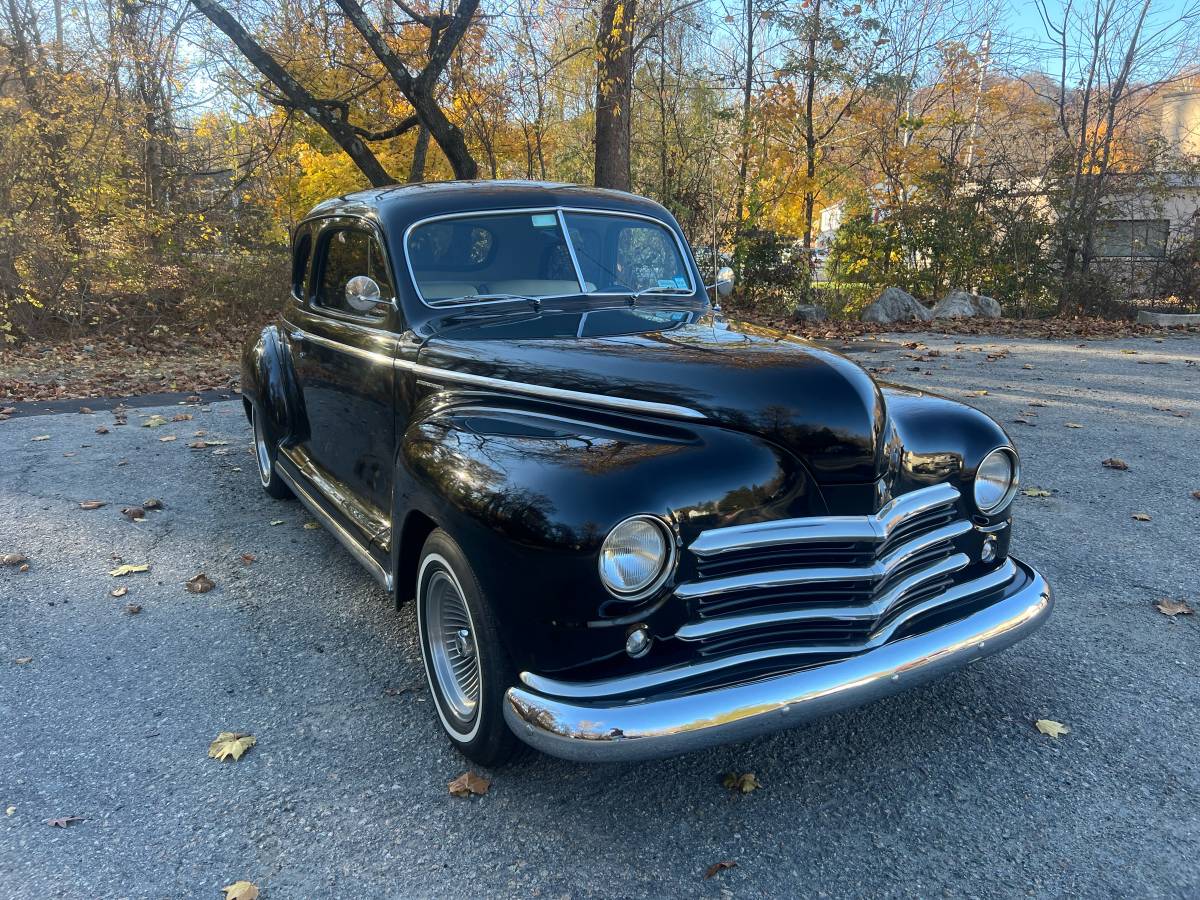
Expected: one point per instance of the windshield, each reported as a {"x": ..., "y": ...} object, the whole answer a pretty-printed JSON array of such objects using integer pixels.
[{"x": 506, "y": 255}]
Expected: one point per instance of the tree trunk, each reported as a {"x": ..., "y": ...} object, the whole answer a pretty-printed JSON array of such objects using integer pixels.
[
  {"x": 614, "y": 93},
  {"x": 747, "y": 98},
  {"x": 416, "y": 172}
]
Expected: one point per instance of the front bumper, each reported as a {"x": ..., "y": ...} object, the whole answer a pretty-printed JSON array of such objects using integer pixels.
[{"x": 647, "y": 728}]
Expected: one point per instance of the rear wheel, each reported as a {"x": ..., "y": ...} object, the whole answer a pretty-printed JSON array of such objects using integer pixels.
[
  {"x": 466, "y": 664},
  {"x": 264, "y": 453}
]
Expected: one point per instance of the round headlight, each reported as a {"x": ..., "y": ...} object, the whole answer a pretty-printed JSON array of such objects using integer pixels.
[
  {"x": 995, "y": 481},
  {"x": 634, "y": 557}
]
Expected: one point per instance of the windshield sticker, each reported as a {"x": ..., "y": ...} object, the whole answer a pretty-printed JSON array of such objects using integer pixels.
[
  {"x": 681, "y": 282},
  {"x": 544, "y": 220},
  {"x": 666, "y": 283}
]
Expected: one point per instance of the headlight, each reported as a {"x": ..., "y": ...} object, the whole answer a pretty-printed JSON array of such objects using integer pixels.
[
  {"x": 635, "y": 556},
  {"x": 996, "y": 480}
]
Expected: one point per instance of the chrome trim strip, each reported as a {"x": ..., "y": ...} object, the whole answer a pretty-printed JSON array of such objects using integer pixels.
[
  {"x": 684, "y": 250},
  {"x": 694, "y": 631},
  {"x": 877, "y": 571},
  {"x": 667, "y": 410},
  {"x": 297, "y": 333},
  {"x": 662, "y": 678},
  {"x": 877, "y": 527},
  {"x": 610, "y": 731},
  {"x": 562, "y": 223},
  {"x": 339, "y": 531}
]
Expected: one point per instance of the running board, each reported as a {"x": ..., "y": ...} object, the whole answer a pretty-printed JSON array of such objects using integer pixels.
[{"x": 339, "y": 531}]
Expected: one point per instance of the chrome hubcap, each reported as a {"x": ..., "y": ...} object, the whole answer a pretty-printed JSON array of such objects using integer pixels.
[
  {"x": 260, "y": 449},
  {"x": 450, "y": 635}
]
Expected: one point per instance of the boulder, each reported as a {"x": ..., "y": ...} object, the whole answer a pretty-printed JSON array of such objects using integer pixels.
[
  {"x": 895, "y": 305},
  {"x": 960, "y": 304},
  {"x": 807, "y": 312}
]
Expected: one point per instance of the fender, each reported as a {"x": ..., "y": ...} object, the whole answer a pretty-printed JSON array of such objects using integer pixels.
[
  {"x": 269, "y": 381},
  {"x": 531, "y": 490}
]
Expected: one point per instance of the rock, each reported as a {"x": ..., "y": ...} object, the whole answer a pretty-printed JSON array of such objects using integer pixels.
[
  {"x": 895, "y": 305},
  {"x": 807, "y": 312},
  {"x": 1166, "y": 320},
  {"x": 960, "y": 304}
]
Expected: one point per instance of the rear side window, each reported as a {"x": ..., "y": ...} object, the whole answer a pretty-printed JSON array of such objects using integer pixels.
[{"x": 349, "y": 253}]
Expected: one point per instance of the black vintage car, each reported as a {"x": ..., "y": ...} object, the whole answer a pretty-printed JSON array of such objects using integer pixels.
[{"x": 630, "y": 527}]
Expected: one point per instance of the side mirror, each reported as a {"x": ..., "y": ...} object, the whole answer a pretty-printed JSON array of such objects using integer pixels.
[
  {"x": 724, "y": 283},
  {"x": 362, "y": 294}
]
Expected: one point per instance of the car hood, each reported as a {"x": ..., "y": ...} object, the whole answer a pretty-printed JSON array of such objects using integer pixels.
[{"x": 818, "y": 405}]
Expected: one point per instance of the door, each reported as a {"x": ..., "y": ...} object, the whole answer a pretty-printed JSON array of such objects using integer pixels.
[{"x": 342, "y": 349}]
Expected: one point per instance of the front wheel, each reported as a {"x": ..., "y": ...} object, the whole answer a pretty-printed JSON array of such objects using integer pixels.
[
  {"x": 264, "y": 454},
  {"x": 465, "y": 662}
]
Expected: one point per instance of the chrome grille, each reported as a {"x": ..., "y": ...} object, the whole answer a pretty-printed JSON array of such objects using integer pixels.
[{"x": 824, "y": 584}]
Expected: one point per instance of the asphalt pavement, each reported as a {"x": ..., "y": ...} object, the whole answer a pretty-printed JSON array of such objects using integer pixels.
[{"x": 947, "y": 790}]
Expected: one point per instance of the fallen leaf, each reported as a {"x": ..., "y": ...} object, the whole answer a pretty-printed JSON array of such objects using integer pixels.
[
  {"x": 10, "y": 810},
  {"x": 1035, "y": 492},
  {"x": 63, "y": 821},
  {"x": 133, "y": 513},
  {"x": 23, "y": 568},
  {"x": 1073, "y": 425},
  {"x": 230, "y": 744},
  {"x": 120, "y": 571},
  {"x": 132, "y": 609},
  {"x": 121, "y": 591},
  {"x": 1196, "y": 495},
  {"x": 166, "y": 439},
  {"x": 90, "y": 504},
  {"x": 201, "y": 445},
  {"x": 1128, "y": 351},
  {"x": 22, "y": 660},
  {"x": 152, "y": 503},
  {"x": 41, "y": 437},
  {"x": 181, "y": 417},
  {"x": 13, "y": 559},
  {"x": 240, "y": 890},
  {"x": 1115, "y": 463},
  {"x": 719, "y": 866},
  {"x": 85, "y": 411},
  {"x": 102, "y": 429},
  {"x": 154, "y": 421},
  {"x": 1166, "y": 607},
  {"x": 1052, "y": 728},
  {"x": 199, "y": 584},
  {"x": 248, "y": 558},
  {"x": 978, "y": 393},
  {"x": 1141, "y": 517},
  {"x": 469, "y": 783},
  {"x": 744, "y": 783},
  {"x": 280, "y": 521},
  {"x": 1025, "y": 422},
  {"x": 311, "y": 526}
]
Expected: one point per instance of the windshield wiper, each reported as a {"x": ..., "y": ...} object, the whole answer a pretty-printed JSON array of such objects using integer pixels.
[
  {"x": 467, "y": 299},
  {"x": 663, "y": 291}
]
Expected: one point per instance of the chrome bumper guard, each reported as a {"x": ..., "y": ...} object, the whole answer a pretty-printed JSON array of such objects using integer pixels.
[{"x": 606, "y": 729}]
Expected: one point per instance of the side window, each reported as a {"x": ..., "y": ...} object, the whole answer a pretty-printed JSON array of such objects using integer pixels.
[
  {"x": 300, "y": 257},
  {"x": 646, "y": 255},
  {"x": 348, "y": 254}
]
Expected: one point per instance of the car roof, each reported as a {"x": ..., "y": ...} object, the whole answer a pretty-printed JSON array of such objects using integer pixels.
[{"x": 398, "y": 206}]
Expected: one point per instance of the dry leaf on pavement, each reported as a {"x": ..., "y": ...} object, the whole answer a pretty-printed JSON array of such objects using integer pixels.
[
  {"x": 181, "y": 417},
  {"x": 63, "y": 821},
  {"x": 1035, "y": 492},
  {"x": 154, "y": 421},
  {"x": 166, "y": 439},
  {"x": 23, "y": 660},
  {"x": 1074, "y": 425},
  {"x": 101, "y": 429},
  {"x": 1052, "y": 728},
  {"x": 152, "y": 503},
  {"x": 41, "y": 437},
  {"x": 1114, "y": 463},
  {"x": 200, "y": 584},
  {"x": 90, "y": 504},
  {"x": 248, "y": 558},
  {"x": 13, "y": 559},
  {"x": 121, "y": 591},
  {"x": 241, "y": 890},
  {"x": 744, "y": 783},
  {"x": 311, "y": 526},
  {"x": 132, "y": 609},
  {"x": 121, "y": 571},
  {"x": 277, "y": 521},
  {"x": 1173, "y": 608},
  {"x": 231, "y": 744},
  {"x": 469, "y": 783},
  {"x": 133, "y": 513},
  {"x": 1141, "y": 517},
  {"x": 1196, "y": 495},
  {"x": 719, "y": 866}
]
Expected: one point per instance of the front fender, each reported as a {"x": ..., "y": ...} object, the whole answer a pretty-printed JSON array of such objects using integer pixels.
[{"x": 530, "y": 495}]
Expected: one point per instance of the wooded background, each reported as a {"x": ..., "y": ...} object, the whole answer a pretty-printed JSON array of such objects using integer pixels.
[{"x": 155, "y": 153}]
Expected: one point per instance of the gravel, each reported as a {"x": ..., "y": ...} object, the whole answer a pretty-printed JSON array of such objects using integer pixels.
[{"x": 945, "y": 790}]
